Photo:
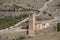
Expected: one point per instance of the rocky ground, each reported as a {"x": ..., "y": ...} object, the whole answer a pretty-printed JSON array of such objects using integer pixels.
[
  {"x": 46, "y": 35},
  {"x": 12, "y": 34},
  {"x": 23, "y": 4}
]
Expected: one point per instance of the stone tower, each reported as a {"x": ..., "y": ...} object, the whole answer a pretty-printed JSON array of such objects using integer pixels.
[{"x": 32, "y": 24}]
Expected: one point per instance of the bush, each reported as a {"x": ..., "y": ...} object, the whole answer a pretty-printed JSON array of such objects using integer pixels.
[
  {"x": 47, "y": 0},
  {"x": 28, "y": 5},
  {"x": 22, "y": 37},
  {"x": 29, "y": 36},
  {"x": 44, "y": 12},
  {"x": 39, "y": 19},
  {"x": 58, "y": 27},
  {"x": 49, "y": 14}
]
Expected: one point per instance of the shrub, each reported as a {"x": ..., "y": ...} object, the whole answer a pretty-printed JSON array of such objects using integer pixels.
[
  {"x": 39, "y": 19},
  {"x": 29, "y": 36},
  {"x": 44, "y": 12},
  {"x": 22, "y": 37},
  {"x": 58, "y": 27},
  {"x": 35, "y": 0},
  {"x": 28, "y": 5},
  {"x": 49, "y": 14},
  {"x": 47, "y": 0}
]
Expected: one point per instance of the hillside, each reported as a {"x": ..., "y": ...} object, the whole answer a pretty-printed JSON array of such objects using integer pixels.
[
  {"x": 30, "y": 4},
  {"x": 29, "y": 19},
  {"x": 52, "y": 11},
  {"x": 19, "y": 5}
]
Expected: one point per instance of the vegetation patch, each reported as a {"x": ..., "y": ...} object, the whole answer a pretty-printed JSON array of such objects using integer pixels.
[
  {"x": 22, "y": 38},
  {"x": 47, "y": 0},
  {"x": 58, "y": 27},
  {"x": 39, "y": 19},
  {"x": 44, "y": 12},
  {"x": 8, "y": 21},
  {"x": 50, "y": 14},
  {"x": 29, "y": 36}
]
